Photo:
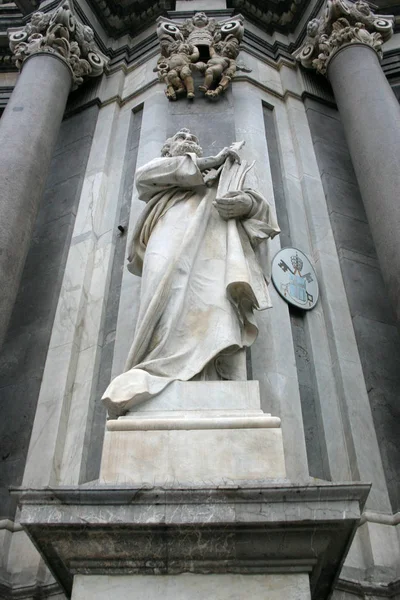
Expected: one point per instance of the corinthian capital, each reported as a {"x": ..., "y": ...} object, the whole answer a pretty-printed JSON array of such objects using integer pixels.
[
  {"x": 60, "y": 33},
  {"x": 342, "y": 24}
]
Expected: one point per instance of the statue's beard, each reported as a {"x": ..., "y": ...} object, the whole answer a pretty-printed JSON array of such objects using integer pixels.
[{"x": 184, "y": 147}]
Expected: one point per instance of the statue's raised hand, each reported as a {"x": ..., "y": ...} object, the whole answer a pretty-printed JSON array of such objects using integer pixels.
[
  {"x": 228, "y": 152},
  {"x": 234, "y": 205}
]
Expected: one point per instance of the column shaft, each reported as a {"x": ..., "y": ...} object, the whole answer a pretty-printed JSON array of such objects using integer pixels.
[
  {"x": 371, "y": 117},
  {"x": 28, "y": 132}
]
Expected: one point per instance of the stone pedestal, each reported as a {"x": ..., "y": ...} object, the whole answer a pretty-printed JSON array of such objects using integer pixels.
[
  {"x": 278, "y": 539},
  {"x": 195, "y": 587},
  {"x": 192, "y": 444}
]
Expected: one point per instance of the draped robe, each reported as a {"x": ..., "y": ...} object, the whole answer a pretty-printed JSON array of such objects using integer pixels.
[{"x": 201, "y": 279}]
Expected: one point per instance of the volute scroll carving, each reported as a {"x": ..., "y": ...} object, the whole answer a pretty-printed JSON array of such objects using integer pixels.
[
  {"x": 199, "y": 44},
  {"x": 60, "y": 33},
  {"x": 343, "y": 23}
]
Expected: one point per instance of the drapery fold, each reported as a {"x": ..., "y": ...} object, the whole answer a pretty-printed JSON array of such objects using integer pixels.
[{"x": 201, "y": 279}]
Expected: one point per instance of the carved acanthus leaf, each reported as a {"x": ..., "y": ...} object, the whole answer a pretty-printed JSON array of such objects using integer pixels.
[
  {"x": 343, "y": 23},
  {"x": 60, "y": 33}
]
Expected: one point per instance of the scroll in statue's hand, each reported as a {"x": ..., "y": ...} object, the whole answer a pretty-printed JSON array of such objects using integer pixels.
[{"x": 235, "y": 205}]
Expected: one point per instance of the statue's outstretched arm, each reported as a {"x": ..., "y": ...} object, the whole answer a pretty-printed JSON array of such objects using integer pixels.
[{"x": 210, "y": 162}]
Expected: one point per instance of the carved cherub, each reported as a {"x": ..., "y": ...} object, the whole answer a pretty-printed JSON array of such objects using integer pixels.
[
  {"x": 177, "y": 70},
  {"x": 221, "y": 67},
  {"x": 199, "y": 25}
]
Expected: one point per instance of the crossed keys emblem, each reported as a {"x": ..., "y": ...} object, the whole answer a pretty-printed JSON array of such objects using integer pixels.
[{"x": 297, "y": 282}]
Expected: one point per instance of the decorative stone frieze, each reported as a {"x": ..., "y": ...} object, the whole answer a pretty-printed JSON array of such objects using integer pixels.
[
  {"x": 342, "y": 24},
  {"x": 199, "y": 44},
  {"x": 60, "y": 33}
]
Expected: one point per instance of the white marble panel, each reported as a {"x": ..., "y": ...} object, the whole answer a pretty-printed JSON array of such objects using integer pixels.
[
  {"x": 385, "y": 546},
  {"x": 91, "y": 323},
  {"x": 8, "y": 79},
  {"x": 72, "y": 294},
  {"x": 64, "y": 404},
  {"x": 24, "y": 561},
  {"x": 48, "y": 433},
  {"x": 196, "y": 587},
  {"x": 5, "y": 541},
  {"x": 269, "y": 77},
  {"x": 75, "y": 449},
  {"x": 291, "y": 80},
  {"x": 204, "y": 395},
  {"x": 194, "y": 456},
  {"x": 200, "y": 4},
  {"x": 140, "y": 77}
]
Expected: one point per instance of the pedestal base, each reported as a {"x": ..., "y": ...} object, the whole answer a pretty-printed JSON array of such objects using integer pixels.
[
  {"x": 195, "y": 587},
  {"x": 177, "y": 439},
  {"x": 161, "y": 538}
]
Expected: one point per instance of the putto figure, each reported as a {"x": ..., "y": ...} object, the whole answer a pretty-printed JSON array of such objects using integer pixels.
[
  {"x": 214, "y": 48},
  {"x": 221, "y": 68},
  {"x": 178, "y": 74},
  {"x": 195, "y": 247}
]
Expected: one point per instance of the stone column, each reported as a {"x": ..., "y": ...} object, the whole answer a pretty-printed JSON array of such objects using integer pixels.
[
  {"x": 345, "y": 44},
  {"x": 54, "y": 53}
]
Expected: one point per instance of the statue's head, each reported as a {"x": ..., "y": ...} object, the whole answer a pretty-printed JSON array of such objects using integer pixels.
[
  {"x": 182, "y": 142},
  {"x": 363, "y": 7},
  {"x": 200, "y": 19},
  {"x": 184, "y": 48},
  {"x": 231, "y": 48},
  {"x": 88, "y": 33},
  {"x": 313, "y": 27}
]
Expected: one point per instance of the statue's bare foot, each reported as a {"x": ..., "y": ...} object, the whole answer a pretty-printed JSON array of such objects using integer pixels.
[
  {"x": 190, "y": 95},
  {"x": 203, "y": 88},
  {"x": 170, "y": 96}
]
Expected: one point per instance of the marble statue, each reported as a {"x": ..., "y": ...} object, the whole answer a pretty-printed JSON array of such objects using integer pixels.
[
  {"x": 195, "y": 246},
  {"x": 214, "y": 47}
]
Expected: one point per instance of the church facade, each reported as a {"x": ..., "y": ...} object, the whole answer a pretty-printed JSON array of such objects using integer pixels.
[{"x": 283, "y": 479}]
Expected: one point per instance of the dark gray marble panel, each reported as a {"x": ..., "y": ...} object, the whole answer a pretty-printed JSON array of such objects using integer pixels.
[
  {"x": 343, "y": 197},
  {"x": 68, "y": 163},
  {"x": 352, "y": 234},
  {"x": 24, "y": 353},
  {"x": 317, "y": 454},
  {"x": 60, "y": 200},
  {"x": 315, "y": 439},
  {"x": 326, "y": 128},
  {"x": 334, "y": 160},
  {"x": 366, "y": 292},
  {"x": 377, "y": 338},
  {"x": 18, "y": 403},
  {"x": 212, "y": 122}
]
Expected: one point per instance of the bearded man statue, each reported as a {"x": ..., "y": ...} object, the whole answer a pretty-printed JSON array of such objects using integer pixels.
[{"x": 195, "y": 246}]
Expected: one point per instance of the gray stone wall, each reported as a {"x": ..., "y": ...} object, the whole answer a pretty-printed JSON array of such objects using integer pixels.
[
  {"x": 376, "y": 333},
  {"x": 315, "y": 440},
  {"x": 24, "y": 353},
  {"x": 95, "y": 443},
  {"x": 212, "y": 122}
]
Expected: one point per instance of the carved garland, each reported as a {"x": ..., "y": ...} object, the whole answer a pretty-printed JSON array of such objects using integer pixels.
[{"x": 60, "y": 33}]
